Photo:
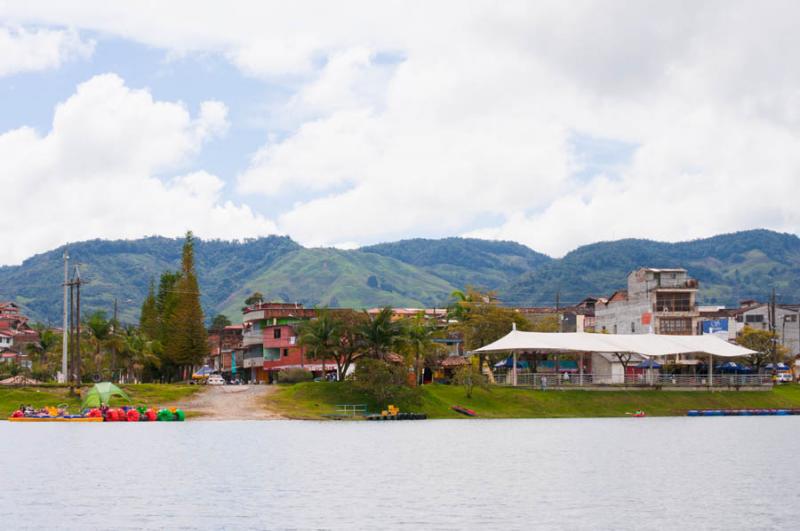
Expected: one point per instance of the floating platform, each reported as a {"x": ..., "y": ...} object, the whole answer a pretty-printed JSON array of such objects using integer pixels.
[
  {"x": 55, "y": 419},
  {"x": 741, "y": 412},
  {"x": 399, "y": 416}
]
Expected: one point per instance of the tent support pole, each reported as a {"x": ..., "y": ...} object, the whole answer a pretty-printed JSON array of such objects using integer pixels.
[
  {"x": 710, "y": 371},
  {"x": 580, "y": 370},
  {"x": 514, "y": 369}
]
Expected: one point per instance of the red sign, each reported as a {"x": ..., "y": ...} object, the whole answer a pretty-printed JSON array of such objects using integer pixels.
[{"x": 646, "y": 317}]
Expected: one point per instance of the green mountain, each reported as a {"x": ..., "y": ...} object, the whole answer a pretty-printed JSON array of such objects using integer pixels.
[
  {"x": 336, "y": 278},
  {"x": 466, "y": 261},
  {"x": 122, "y": 269},
  {"x": 408, "y": 273},
  {"x": 730, "y": 267}
]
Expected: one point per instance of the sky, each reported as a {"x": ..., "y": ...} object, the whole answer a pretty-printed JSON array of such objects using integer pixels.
[{"x": 549, "y": 123}]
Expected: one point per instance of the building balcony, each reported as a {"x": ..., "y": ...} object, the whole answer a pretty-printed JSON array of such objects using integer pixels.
[{"x": 254, "y": 337}]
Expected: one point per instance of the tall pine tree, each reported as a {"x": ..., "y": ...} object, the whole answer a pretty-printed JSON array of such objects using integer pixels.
[
  {"x": 186, "y": 341},
  {"x": 148, "y": 318}
]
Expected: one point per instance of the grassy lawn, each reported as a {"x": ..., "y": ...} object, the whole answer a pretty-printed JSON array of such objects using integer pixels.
[
  {"x": 51, "y": 395},
  {"x": 315, "y": 399}
]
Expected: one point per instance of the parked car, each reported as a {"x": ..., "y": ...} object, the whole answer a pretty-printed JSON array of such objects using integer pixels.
[{"x": 215, "y": 379}]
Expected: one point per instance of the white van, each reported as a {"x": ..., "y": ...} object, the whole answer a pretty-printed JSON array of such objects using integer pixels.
[{"x": 215, "y": 379}]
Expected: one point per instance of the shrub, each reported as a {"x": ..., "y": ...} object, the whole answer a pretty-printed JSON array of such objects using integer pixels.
[
  {"x": 383, "y": 382},
  {"x": 293, "y": 376}
]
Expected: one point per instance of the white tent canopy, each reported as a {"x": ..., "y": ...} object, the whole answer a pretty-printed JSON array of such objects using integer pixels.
[{"x": 647, "y": 345}]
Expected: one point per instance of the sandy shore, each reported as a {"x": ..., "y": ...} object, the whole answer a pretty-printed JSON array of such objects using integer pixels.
[{"x": 230, "y": 402}]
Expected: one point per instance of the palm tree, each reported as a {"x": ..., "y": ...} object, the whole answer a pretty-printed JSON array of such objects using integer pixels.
[
  {"x": 141, "y": 353},
  {"x": 419, "y": 339},
  {"x": 99, "y": 329},
  {"x": 380, "y": 333},
  {"x": 321, "y": 337}
]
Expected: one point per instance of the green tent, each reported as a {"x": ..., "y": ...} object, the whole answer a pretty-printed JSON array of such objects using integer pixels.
[{"x": 101, "y": 393}]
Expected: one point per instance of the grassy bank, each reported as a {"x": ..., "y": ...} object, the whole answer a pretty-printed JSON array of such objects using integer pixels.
[
  {"x": 313, "y": 400},
  {"x": 51, "y": 395}
]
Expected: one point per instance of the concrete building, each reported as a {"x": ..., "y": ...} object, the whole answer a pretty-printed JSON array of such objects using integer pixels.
[
  {"x": 661, "y": 301},
  {"x": 759, "y": 316}
]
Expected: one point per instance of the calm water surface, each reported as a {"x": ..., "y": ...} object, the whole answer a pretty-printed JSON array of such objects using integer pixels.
[{"x": 652, "y": 473}]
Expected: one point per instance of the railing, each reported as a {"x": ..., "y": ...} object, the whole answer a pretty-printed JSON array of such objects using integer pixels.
[
  {"x": 566, "y": 380},
  {"x": 351, "y": 410},
  {"x": 253, "y": 337}
]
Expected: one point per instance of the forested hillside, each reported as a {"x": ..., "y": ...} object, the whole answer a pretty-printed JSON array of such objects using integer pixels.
[
  {"x": 730, "y": 267},
  {"x": 409, "y": 273}
]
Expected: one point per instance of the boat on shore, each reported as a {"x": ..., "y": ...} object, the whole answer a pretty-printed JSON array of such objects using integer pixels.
[
  {"x": 56, "y": 419},
  {"x": 123, "y": 414},
  {"x": 464, "y": 411}
]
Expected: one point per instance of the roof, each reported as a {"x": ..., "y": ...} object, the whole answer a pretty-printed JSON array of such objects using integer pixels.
[
  {"x": 454, "y": 361},
  {"x": 619, "y": 295},
  {"x": 644, "y": 344}
]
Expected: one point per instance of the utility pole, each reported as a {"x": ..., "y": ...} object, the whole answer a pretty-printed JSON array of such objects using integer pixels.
[
  {"x": 64, "y": 333},
  {"x": 78, "y": 323},
  {"x": 772, "y": 330},
  {"x": 113, "y": 342},
  {"x": 71, "y": 377},
  {"x": 558, "y": 313}
]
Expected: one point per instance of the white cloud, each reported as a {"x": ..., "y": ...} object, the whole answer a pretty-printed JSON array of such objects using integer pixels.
[
  {"x": 23, "y": 50},
  {"x": 471, "y": 115},
  {"x": 92, "y": 174}
]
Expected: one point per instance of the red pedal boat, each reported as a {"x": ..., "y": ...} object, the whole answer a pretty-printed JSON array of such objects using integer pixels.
[{"x": 464, "y": 411}]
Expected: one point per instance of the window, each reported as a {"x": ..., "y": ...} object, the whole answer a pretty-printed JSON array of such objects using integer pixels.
[
  {"x": 276, "y": 333},
  {"x": 633, "y": 327},
  {"x": 673, "y": 302},
  {"x": 286, "y": 353},
  {"x": 753, "y": 318},
  {"x": 790, "y": 318},
  {"x": 615, "y": 329},
  {"x": 675, "y": 326}
]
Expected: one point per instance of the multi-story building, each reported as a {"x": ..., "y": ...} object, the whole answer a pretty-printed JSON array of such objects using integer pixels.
[
  {"x": 661, "y": 301},
  {"x": 269, "y": 340},
  {"x": 759, "y": 316},
  {"x": 15, "y": 335},
  {"x": 577, "y": 318},
  {"x": 222, "y": 345}
]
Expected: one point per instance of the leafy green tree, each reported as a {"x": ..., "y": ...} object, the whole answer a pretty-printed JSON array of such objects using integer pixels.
[
  {"x": 219, "y": 322},
  {"x": 382, "y": 381},
  {"x": 483, "y": 321},
  {"x": 765, "y": 343},
  {"x": 469, "y": 377},
  {"x": 351, "y": 345},
  {"x": 255, "y": 298},
  {"x": 548, "y": 323}
]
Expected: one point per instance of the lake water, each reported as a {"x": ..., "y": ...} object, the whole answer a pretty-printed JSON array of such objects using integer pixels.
[{"x": 651, "y": 473}]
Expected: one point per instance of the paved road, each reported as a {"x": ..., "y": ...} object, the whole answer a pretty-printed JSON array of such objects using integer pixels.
[{"x": 231, "y": 402}]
